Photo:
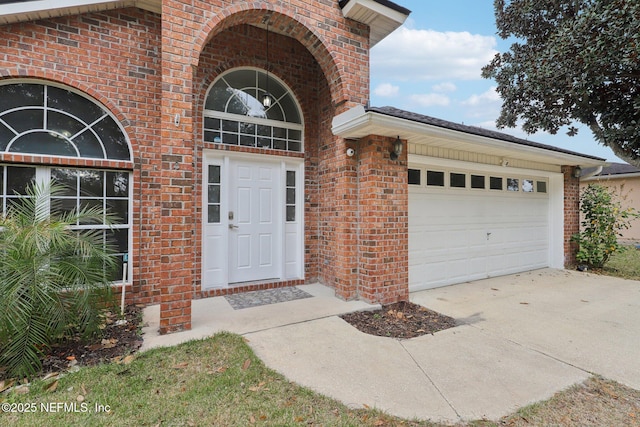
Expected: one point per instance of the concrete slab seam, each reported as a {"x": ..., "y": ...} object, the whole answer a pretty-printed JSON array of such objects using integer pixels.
[
  {"x": 293, "y": 323},
  {"x": 534, "y": 350},
  {"x": 431, "y": 381}
]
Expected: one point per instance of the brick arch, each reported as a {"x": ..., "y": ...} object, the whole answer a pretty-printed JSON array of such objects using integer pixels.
[
  {"x": 283, "y": 21},
  {"x": 48, "y": 76}
]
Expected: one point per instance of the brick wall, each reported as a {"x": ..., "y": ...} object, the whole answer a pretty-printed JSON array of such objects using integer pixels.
[
  {"x": 114, "y": 58},
  {"x": 383, "y": 251},
  {"x": 149, "y": 69},
  {"x": 571, "y": 213}
]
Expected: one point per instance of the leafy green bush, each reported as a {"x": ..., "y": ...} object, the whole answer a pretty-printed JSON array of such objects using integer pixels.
[
  {"x": 53, "y": 278},
  {"x": 602, "y": 220}
]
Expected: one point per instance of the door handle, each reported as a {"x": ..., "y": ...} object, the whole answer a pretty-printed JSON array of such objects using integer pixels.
[{"x": 233, "y": 227}]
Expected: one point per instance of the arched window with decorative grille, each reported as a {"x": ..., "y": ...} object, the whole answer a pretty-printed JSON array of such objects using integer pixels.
[
  {"x": 235, "y": 114},
  {"x": 43, "y": 119}
]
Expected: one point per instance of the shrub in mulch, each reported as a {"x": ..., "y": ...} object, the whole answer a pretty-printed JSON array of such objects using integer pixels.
[{"x": 117, "y": 340}]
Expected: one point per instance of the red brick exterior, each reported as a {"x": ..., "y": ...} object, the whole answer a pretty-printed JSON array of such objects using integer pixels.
[
  {"x": 571, "y": 213},
  {"x": 218, "y": 35},
  {"x": 383, "y": 250},
  {"x": 148, "y": 68}
]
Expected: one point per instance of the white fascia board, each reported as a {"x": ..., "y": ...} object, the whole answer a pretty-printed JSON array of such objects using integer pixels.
[
  {"x": 42, "y": 5},
  {"x": 357, "y": 123},
  {"x": 417, "y": 159}
]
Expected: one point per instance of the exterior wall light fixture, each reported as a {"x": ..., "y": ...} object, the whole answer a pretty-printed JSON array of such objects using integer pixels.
[
  {"x": 577, "y": 172},
  {"x": 397, "y": 149}
]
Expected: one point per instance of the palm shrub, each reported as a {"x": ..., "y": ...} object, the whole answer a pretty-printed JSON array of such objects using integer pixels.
[
  {"x": 54, "y": 279},
  {"x": 603, "y": 218}
]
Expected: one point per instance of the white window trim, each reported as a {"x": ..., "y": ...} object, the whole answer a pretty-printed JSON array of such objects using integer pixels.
[
  {"x": 223, "y": 159},
  {"x": 255, "y": 120}
]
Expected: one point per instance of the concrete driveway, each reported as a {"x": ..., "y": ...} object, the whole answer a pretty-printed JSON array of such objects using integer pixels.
[{"x": 522, "y": 338}]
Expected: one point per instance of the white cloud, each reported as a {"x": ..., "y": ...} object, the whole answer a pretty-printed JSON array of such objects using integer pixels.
[
  {"x": 386, "y": 90},
  {"x": 430, "y": 100},
  {"x": 482, "y": 107},
  {"x": 490, "y": 97},
  {"x": 444, "y": 87},
  {"x": 413, "y": 54}
]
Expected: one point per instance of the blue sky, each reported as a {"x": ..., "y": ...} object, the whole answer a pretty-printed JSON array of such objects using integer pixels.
[{"x": 431, "y": 65}]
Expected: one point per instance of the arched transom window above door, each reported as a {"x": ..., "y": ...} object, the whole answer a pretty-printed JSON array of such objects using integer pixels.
[{"x": 235, "y": 114}]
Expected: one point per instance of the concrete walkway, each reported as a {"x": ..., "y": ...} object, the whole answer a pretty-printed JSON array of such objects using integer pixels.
[{"x": 522, "y": 338}]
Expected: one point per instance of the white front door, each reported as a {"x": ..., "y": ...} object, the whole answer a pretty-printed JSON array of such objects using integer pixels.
[
  {"x": 252, "y": 219},
  {"x": 255, "y": 219}
]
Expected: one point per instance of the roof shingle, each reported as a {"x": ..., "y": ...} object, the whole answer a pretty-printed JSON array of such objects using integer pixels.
[{"x": 473, "y": 130}]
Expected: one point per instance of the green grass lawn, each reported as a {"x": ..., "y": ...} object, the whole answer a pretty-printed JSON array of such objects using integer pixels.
[
  {"x": 220, "y": 382},
  {"x": 625, "y": 264},
  {"x": 212, "y": 382}
]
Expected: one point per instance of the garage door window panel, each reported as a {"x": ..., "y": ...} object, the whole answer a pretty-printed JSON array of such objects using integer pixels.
[
  {"x": 496, "y": 183},
  {"x": 435, "y": 179},
  {"x": 513, "y": 184},
  {"x": 457, "y": 180},
  {"x": 541, "y": 186},
  {"x": 478, "y": 182},
  {"x": 414, "y": 177},
  {"x": 527, "y": 185}
]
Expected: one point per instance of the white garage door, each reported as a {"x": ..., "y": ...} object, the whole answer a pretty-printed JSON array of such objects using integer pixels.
[{"x": 472, "y": 225}]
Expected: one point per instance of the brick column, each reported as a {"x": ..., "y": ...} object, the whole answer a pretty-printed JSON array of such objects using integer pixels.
[
  {"x": 571, "y": 213},
  {"x": 383, "y": 194},
  {"x": 176, "y": 284},
  {"x": 338, "y": 219}
]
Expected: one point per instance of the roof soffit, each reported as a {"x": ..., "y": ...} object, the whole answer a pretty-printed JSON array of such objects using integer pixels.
[
  {"x": 382, "y": 16},
  {"x": 357, "y": 123}
]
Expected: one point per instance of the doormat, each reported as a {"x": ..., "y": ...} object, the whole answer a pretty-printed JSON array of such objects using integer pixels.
[{"x": 267, "y": 296}]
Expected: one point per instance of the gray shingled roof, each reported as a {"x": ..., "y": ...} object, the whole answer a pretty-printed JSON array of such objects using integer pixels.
[
  {"x": 618, "y": 169},
  {"x": 473, "y": 130}
]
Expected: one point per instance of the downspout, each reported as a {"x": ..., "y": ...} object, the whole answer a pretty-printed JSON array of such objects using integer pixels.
[{"x": 593, "y": 173}]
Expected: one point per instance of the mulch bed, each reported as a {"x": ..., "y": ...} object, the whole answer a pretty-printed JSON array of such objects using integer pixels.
[
  {"x": 399, "y": 320},
  {"x": 117, "y": 340}
]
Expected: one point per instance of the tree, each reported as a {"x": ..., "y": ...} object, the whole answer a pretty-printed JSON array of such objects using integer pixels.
[
  {"x": 53, "y": 279},
  {"x": 573, "y": 61}
]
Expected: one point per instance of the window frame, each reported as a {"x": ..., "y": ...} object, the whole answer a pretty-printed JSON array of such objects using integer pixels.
[
  {"x": 419, "y": 183},
  {"x": 45, "y": 162}
]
